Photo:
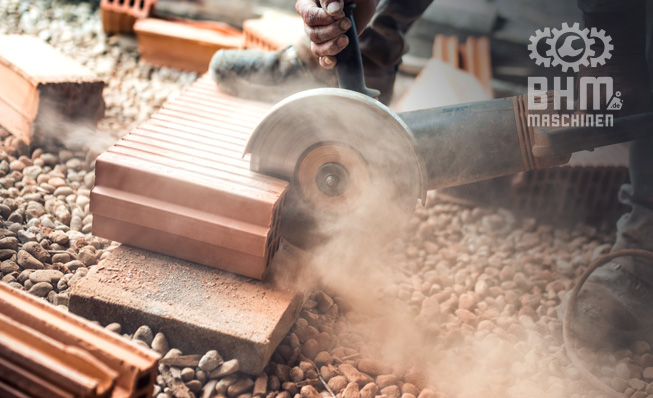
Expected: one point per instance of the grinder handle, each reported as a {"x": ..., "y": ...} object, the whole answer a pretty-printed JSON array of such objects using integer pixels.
[{"x": 349, "y": 66}]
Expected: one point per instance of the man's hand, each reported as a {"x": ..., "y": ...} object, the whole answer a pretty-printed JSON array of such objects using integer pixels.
[{"x": 325, "y": 24}]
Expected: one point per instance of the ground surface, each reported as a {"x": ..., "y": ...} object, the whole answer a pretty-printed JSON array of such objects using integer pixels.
[{"x": 465, "y": 303}]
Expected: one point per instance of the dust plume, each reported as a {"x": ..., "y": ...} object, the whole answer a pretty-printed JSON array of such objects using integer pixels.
[
  {"x": 52, "y": 126},
  {"x": 463, "y": 300}
]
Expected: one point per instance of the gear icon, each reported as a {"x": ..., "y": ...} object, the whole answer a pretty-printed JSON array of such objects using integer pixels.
[
  {"x": 576, "y": 31},
  {"x": 607, "y": 47},
  {"x": 535, "y": 40}
]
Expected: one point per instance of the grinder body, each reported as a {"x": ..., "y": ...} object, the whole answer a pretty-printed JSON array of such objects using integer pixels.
[{"x": 466, "y": 143}]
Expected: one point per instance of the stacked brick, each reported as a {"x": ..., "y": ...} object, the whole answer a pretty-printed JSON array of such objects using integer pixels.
[{"x": 178, "y": 185}]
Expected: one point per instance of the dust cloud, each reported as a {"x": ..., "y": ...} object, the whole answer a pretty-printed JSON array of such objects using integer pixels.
[
  {"x": 54, "y": 128},
  {"x": 463, "y": 350}
]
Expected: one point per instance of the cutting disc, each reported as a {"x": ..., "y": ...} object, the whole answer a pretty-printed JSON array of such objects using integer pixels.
[{"x": 350, "y": 160}]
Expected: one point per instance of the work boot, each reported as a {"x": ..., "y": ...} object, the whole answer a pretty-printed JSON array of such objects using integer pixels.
[
  {"x": 613, "y": 308},
  {"x": 268, "y": 75}
]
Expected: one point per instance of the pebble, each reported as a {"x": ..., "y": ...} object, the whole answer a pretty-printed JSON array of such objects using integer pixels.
[
  {"x": 187, "y": 374},
  {"x": 310, "y": 392},
  {"x": 240, "y": 387},
  {"x": 144, "y": 334},
  {"x": 373, "y": 367},
  {"x": 311, "y": 348},
  {"x": 59, "y": 237},
  {"x": 41, "y": 289},
  {"x": 37, "y": 251},
  {"x": 223, "y": 384},
  {"x": 74, "y": 265},
  {"x": 648, "y": 373},
  {"x": 9, "y": 243},
  {"x": 386, "y": 380},
  {"x": 369, "y": 390},
  {"x": 391, "y": 392},
  {"x": 50, "y": 276},
  {"x": 227, "y": 368},
  {"x": 337, "y": 383},
  {"x": 27, "y": 261},
  {"x": 160, "y": 344},
  {"x": 195, "y": 386},
  {"x": 7, "y": 267},
  {"x": 351, "y": 391},
  {"x": 210, "y": 361}
]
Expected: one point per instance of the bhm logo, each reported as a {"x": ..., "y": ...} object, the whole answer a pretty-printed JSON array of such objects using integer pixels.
[{"x": 570, "y": 48}]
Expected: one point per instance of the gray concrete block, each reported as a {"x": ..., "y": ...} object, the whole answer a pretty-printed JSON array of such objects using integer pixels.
[{"x": 198, "y": 308}]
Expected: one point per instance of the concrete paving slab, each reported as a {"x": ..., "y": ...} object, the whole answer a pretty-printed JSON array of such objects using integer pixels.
[{"x": 198, "y": 308}]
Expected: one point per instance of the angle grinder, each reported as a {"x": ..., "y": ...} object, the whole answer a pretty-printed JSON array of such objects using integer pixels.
[{"x": 357, "y": 167}]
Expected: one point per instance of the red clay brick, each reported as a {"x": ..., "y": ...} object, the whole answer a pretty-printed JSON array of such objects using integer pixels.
[
  {"x": 179, "y": 185},
  {"x": 38, "y": 83},
  {"x": 48, "y": 352},
  {"x": 184, "y": 44},
  {"x": 119, "y": 16}
]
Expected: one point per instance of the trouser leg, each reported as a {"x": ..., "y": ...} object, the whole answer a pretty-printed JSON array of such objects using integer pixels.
[
  {"x": 383, "y": 42},
  {"x": 624, "y": 21}
]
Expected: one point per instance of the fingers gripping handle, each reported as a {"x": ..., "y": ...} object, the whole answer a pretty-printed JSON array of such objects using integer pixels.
[{"x": 349, "y": 66}]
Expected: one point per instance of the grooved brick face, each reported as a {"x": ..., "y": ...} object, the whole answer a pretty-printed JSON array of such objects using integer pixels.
[{"x": 179, "y": 185}]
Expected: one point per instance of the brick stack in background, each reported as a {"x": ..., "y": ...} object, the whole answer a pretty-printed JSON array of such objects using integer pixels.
[
  {"x": 456, "y": 73},
  {"x": 119, "y": 16},
  {"x": 273, "y": 31},
  {"x": 184, "y": 44},
  {"x": 42, "y": 88}
]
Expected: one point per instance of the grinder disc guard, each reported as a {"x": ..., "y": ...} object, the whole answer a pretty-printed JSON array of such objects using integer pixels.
[{"x": 350, "y": 161}]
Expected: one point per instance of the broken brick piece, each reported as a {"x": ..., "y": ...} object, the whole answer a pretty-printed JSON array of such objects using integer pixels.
[
  {"x": 184, "y": 45},
  {"x": 42, "y": 88},
  {"x": 197, "y": 308},
  {"x": 273, "y": 31},
  {"x": 178, "y": 185}
]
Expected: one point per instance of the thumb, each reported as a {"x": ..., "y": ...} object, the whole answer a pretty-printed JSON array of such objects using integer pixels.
[{"x": 332, "y": 7}]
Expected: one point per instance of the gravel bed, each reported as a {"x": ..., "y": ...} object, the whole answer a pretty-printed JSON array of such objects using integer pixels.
[{"x": 463, "y": 305}]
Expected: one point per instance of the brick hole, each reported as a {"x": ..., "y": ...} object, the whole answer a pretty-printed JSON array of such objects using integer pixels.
[
  {"x": 131, "y": 3},
  {"x": 141, "y": 5},
  {"x": 121, "y": 2},
  {"x": 143, "y": 381}
]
